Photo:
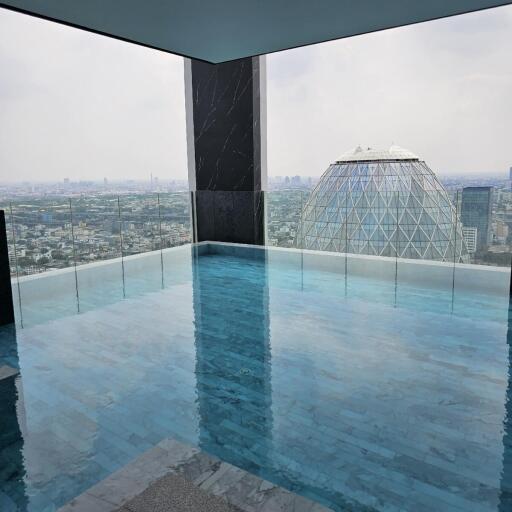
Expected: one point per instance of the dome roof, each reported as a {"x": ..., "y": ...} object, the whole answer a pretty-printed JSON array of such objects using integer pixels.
[
  {"x": 360, "y": 154},
  {"x": 382, "y": 203}
]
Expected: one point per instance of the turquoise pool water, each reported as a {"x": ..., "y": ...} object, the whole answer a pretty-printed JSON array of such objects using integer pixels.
[{"x": 359, "y": 394}]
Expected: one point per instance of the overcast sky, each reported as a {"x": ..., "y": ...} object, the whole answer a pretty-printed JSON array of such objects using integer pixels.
[
  {"x": 83, "y": 106},
  {"x": 441, "y": 89}
]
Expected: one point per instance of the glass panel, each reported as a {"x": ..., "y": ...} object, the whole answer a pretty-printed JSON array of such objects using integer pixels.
[
  {"x": 426, "y": 244},
  {"x": 44, "y": 250},
  {"x": 484, "y": 226},
  {"x": 175, "y": 230},
  {"x": 140, "y": 228},
  {"x": 283, "y": 212},
  {"x": 97, "y": 236}
]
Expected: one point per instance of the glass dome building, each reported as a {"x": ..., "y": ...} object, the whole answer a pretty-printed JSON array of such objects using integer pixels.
[{"x": 383, "y": 203}]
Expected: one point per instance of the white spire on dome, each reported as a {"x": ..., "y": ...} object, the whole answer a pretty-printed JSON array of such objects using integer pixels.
[{"x": 360, "y": 154}]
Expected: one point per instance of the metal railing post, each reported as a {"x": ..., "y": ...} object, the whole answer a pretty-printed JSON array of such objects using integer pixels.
[
  {"x": 74, "y": 256},
  {"x": 161, "y": 239},
  {"x": 121, "y": 243}
]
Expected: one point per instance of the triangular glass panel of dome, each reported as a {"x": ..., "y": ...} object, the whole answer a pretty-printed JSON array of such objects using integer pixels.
[
  {"x": 419, "y": 235},
  {"x": 428, "y": 229},
  {"x": 366, "y": 231},
  {"x": 343, "y": 186},
  {"x": 378, "y": 235},
  {"x": 330, "y": 214},
  {"x": 330, "y": 231},
  {"x": 389, "y": 219},
  {"x": 391, "y": 199},
  {"x": 402, "y": 235},
  {"x": 381, "y": 183},
  {"x": 406, "y": 218},
  {"x": 427, "y": 253},
  {"x": 438, "y": 234},
  {"x": 388, "y": 182},
  {"x": 387, "y": 251},
  {"x": 379, "y": 214},
  {"x": 363, "y": 202},
  {"x": 379, "y": 202},
  {"x": 413, "y": 203},
  {"x": 353, "y": 218},
  {"x": 442, "y": 246},
  {"x": 368, "y": 217},
  {"x": 356, "y": 185},
  {"x": 318, "y": 224},
  {"x": 436, "y": 253},
  {"x": 445, "y": 217},
  {"x": 352, "y": 199},
  {"x": 330, "y": 246},
  {"x": 371, "y": 186},
  {"x": 377, "y": 180},
  {"x": 363, "y": 247},
  {"x": 425, "y": 218},
  {"x": 429, "y": 202}
]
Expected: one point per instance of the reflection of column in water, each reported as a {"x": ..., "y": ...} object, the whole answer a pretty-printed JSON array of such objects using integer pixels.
[
  {"x": 506, "y": 474},
  {"x": 12, "y": 486},
  {"x": 233, "y": 361}
]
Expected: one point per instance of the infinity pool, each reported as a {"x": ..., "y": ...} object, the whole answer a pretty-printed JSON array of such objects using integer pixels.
[{"x": 361, "y": 394}]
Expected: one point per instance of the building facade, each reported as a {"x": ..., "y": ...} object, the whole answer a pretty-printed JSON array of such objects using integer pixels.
[
  {"x": 476, "y": 212},
  {"x": 383, "y": 203},
  {"x": 470, "y": 236}
]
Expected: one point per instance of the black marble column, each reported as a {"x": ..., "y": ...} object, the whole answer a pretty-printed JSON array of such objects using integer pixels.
[
  {"x": 6, "y": 304},
  {"x": 226, "y": 137}
]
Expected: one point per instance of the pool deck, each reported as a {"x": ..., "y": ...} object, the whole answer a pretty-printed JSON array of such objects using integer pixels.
[{"x": 174, "y": 476}]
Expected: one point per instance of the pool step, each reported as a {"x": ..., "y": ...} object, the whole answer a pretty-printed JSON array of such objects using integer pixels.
[
  {"x": 6, "y": 372},
  {"x": 174, "y": 476}
]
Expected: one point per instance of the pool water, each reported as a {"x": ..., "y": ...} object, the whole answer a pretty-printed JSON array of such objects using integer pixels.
[{"x": 352, "y": 392}]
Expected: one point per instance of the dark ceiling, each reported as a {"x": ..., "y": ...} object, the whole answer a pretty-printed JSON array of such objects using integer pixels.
[{"x": 222, "y": 30}]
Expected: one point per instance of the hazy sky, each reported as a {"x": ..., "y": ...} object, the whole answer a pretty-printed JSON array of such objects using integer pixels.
[
  {"x": 441, "y": 89},
  {"x": 83, "y": 106}
]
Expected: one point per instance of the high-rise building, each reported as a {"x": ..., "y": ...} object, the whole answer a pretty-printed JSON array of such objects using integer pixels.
[
  {"x": 476, "y": 212},
  {"x": 470, "y": 235},
  {"x": 501, "y": 232},
  {"x": 510, "y": 173},
  {"x": 383, "y": 203}
]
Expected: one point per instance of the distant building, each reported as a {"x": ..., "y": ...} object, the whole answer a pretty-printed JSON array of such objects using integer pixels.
[
  {"x": 476, "y": 212},
  {"x": 510, "y": 174},
  {"x": 470, "y": 236},
  {"x": 501, "y": 232}
]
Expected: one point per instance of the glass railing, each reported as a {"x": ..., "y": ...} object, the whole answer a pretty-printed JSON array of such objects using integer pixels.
[
  {"x": 393, "y": 237},
  {"x": 392, "y": 226},
  {"x": 64, "y": 234},
  {"x": 283, "y": 215}
]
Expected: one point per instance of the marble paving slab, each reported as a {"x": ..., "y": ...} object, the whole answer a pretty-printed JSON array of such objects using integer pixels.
[{"x": 174, "y": 476}]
